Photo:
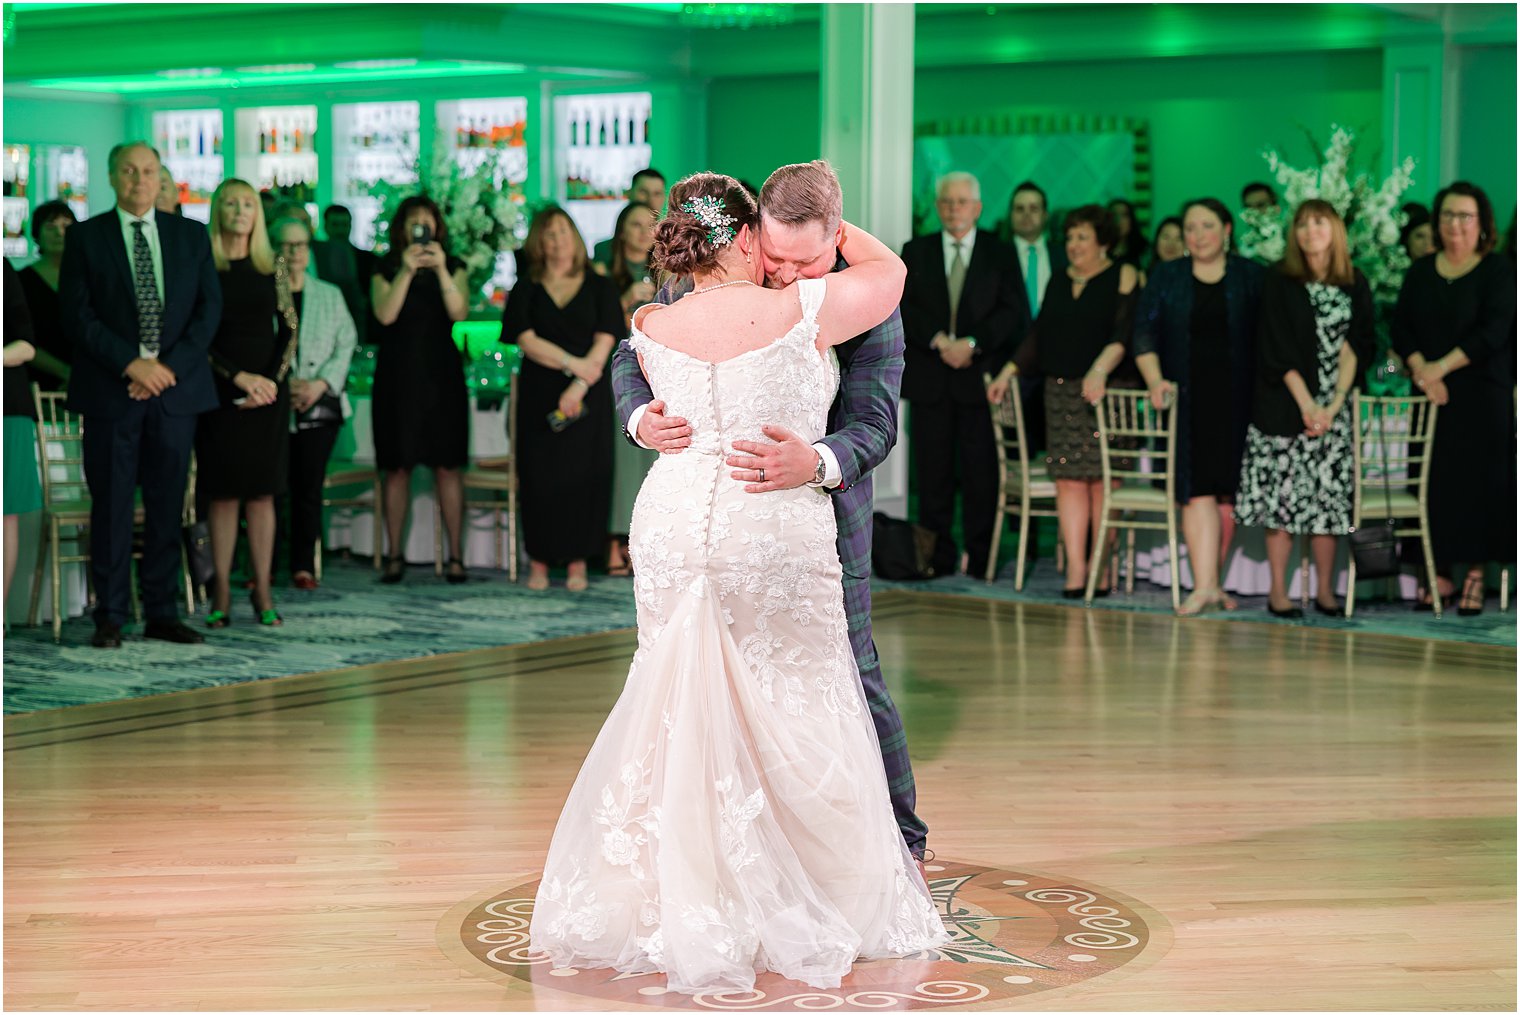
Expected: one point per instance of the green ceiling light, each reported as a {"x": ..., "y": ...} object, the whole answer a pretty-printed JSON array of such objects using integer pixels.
[
  {"x": 743, "y": 16},
  {"x": 215, "y": 78}
]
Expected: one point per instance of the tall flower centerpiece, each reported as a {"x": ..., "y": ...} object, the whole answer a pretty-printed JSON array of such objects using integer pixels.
[
  {"x": 1373, "y": 221},
  {"x": 483, "y": 212}
]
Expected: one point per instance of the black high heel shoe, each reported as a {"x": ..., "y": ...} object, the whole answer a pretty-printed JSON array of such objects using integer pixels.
[
  {"x": 456, "y": 574},
  {"x": 395, "y": 570},
  {"x": 1472, "y": 592},
  {"x": 1424, "y": 603}
]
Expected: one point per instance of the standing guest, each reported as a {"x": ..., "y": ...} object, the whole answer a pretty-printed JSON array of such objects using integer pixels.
[
  {"x": 421, "y": 406},
  {"x": 1418, "y": 234},
  {"x": 338, "y": 261},
  {"x": 1078, "y": 341},
  {"x": 1039, "y": 262},
  {"x": 1314, "y": 338},
  {"x": 141, "y": 301},
  {"x": 1131, "y": 246},
  {"x": 318, "y": 372},
  {"x": 1196, "y": 323},
  {"x": 647, "y": 187},
  {"x": 629, "y": 270},
  {"x": 962, "y": 303},
  {"x": 39, "y": 284},
  {"x": 567, "y": 320},
  {"x": 627, "y": 261},
  {"x": 242, "y": 448},
  {"x": 1258, "y": 197},
  {"x": 288, "y": 209},
  {"x": 168, "y": 194},
  {"x": 1169, "y": 244},
  {"x": 1454, "y": 324},
  {"x": 23, "y": 484}
]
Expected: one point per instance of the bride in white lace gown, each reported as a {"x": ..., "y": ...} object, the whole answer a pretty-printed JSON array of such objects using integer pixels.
[{"x": 733, "y": 815}]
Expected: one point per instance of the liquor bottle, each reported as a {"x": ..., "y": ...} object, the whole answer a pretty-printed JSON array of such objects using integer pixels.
[
  {"x": 298, "y": 139},
  {"x": 601, "y": 134},
  {"x": 216, "y": 141},
  {"x": 632, "y": 136},
  {"x": 617, "y": 129},
  {"x": 646, "y": 128},
  {"x": 263, "y": 140}
]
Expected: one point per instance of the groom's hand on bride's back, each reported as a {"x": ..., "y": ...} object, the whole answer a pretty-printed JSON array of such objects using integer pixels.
[
  {"x": 666, "y": 434},
  {"x": 785, "y": 465}
]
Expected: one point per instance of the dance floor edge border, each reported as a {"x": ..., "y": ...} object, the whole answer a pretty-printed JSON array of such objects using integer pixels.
[{"x": 177, "y": 707}]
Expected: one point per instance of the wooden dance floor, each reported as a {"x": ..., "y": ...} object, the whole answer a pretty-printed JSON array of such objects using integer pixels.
[{"x": 1201, "y": 815}]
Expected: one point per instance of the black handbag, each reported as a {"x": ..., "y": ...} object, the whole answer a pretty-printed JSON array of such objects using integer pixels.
[
  {"x": 901, "y": 551},
  {"x": 325, "y": 411},
  {"x": 1375, "y": 548},
  {"x": 198, "y": 559}
]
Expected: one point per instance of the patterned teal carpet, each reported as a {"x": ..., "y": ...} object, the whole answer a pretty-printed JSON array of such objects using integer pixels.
[{"x": 353, "y": 621}]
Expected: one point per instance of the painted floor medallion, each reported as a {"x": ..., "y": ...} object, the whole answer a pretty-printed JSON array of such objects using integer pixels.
[{"x": 1014, "y": 935}]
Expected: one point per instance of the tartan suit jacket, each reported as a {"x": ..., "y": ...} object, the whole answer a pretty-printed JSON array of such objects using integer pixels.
[{"x": 862, "y": 421}]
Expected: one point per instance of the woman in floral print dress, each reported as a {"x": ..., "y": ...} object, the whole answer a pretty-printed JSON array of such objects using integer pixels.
[{"x": 1314, "y": 339}]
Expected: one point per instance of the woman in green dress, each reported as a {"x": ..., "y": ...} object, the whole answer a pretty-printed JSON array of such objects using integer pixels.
[{"x": 627, "y": 265}]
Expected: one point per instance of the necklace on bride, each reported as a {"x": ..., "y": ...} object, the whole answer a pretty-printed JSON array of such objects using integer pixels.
[{"x": 721, "y": 285}]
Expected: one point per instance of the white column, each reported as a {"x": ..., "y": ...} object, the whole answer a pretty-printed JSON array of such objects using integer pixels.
[
  {"x": 1419, "y": 100},
  {"x": 866, "y": 83}
]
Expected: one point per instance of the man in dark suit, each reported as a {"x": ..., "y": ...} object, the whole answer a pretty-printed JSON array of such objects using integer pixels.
[
  {"x": 1039, "y": 261},
  {"x": 141, "y": 301},
  {"x": 961, "y": 304},
  {"x": 346, "y": 266}
]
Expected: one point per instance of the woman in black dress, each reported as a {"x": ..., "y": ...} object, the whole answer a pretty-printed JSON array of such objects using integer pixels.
[
  {"x": 1455, "y": 327},
  {"x": 39, "y": 282},
  {"x": 242, "y": 447},
  {"x": 421, "y": 407},
  {"x": 1079, "y": 339},
  {"x": 1196, "y": 324},
  {"x": 1130, "y": 244},
  {"x": 1313, "y": 341},
  {"x": 567, "y": 320}
]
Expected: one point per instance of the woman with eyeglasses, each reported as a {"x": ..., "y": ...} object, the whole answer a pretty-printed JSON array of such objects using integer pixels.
[
  {"x": 325, "y": 345},
  {"x": 1455, "y": 327}
]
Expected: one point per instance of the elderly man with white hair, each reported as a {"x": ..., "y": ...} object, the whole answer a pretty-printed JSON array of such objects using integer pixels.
[{"x": 960, "y": 308}]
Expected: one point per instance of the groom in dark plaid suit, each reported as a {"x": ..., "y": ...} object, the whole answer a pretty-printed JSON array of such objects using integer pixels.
[{"x": 801, "y": 207}]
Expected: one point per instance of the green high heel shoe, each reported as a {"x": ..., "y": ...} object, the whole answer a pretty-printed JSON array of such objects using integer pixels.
[{"x": 269, "y": 617}]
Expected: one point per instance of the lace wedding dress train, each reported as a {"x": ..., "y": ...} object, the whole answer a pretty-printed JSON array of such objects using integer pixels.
[{"x": 733, "y": 815}]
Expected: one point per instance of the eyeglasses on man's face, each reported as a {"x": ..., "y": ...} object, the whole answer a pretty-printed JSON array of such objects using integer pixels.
[{"x": 292, "y": 247}]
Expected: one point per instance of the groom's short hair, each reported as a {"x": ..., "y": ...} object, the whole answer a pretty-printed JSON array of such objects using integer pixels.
[{"x": 804, "y": 192}]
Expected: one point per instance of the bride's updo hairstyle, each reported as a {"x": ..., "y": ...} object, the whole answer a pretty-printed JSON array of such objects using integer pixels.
[{"x": 707, "y": 210}]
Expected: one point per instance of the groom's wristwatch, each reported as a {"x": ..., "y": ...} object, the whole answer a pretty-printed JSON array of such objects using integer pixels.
[{"x": 820, "y": 473}]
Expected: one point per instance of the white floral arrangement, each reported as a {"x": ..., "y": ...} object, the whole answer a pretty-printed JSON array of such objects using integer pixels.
[
  {"x": 483, "y": 213},
  {"x": 1373, "y": 221},
  {"x": 1372, "y": 215}
]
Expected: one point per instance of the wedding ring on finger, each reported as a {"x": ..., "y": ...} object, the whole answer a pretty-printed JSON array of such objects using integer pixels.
[{"x": 762, "y": 475}]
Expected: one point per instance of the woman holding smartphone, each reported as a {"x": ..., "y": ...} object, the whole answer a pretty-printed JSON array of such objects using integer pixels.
[
  {"x": 421, "y": 407},
  {"x": 567, "y": 320}
]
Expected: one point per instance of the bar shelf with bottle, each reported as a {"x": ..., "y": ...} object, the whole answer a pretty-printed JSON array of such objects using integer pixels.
[
  {"x": 276, "y": 152},
  {"x": 373, "y": 142},
  {"x": 64, "y": 171},
  {"x": 17, "y": 205},
  {"x": 600, "y": 142},
  {"x": 190, "y": 142}
]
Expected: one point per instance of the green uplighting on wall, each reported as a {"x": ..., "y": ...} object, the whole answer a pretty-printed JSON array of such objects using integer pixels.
[{"x": 290, "y": 74}]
